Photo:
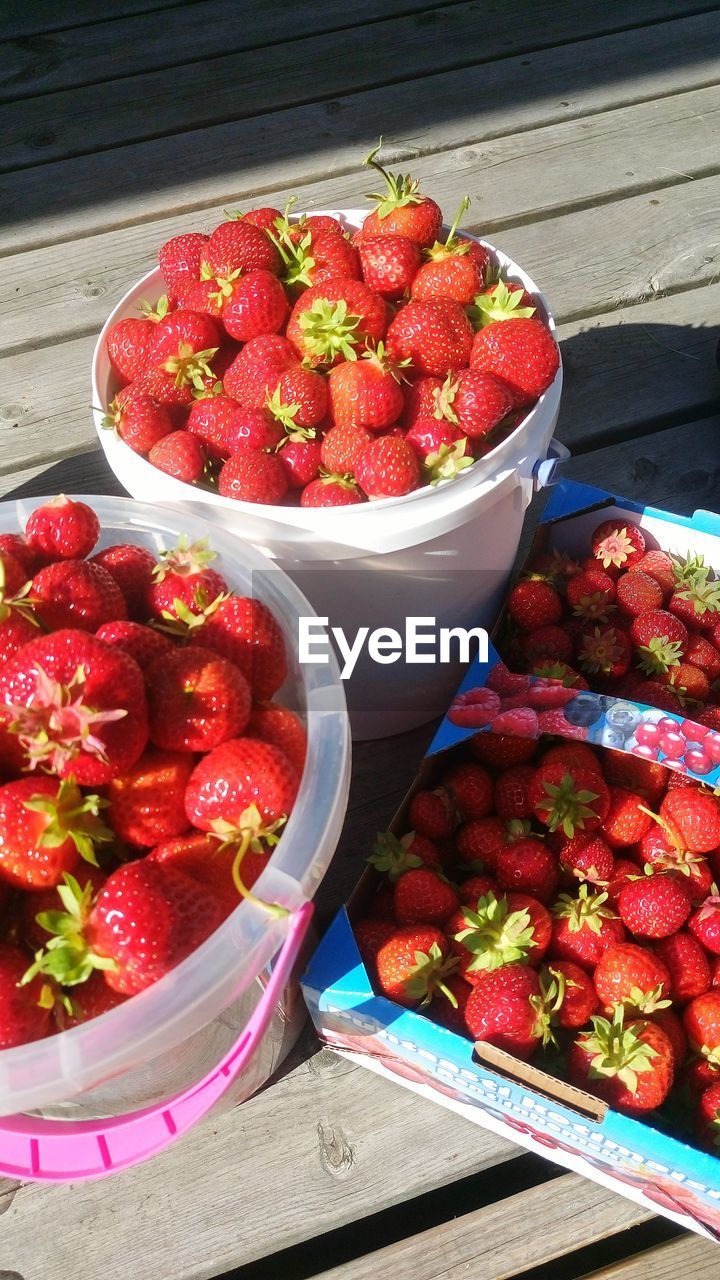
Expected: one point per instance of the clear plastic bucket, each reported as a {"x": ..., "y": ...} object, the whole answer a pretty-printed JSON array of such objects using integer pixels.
[
  {"x": 446, "y": 550},
  {"x": 218, "y": 1024}
]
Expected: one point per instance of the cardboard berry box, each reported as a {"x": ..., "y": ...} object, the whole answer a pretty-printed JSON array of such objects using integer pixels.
[{"x": 519, "y": 1100}]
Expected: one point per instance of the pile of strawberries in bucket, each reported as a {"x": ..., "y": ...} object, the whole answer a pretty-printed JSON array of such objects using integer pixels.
[
  {"x": 290, "y": 362},
  {"x": 560, "y": 903},
  {"x": 147, "y": 767}
]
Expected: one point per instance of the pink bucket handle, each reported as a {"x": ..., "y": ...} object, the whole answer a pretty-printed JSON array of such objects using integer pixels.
[{"x": 76, "y": 1150}]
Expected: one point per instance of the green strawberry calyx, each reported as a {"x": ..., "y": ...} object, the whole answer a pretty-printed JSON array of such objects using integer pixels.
[
  {"x": 448, "y": 461},
  {"x": 427, "y": 976},
  {"x": 498, "y": 303},
  {"x": 250, "y": 834},
  {"x": 188, "y": 367},
  {"x": 586, "y": 911},
  {"x": 67, "y": 957},
  {"x": 378, "y": 355},
  {"x": 496, "y": 935},
  {"x": 157, "y": 312},
  {"x": 702, "y": 594},
  {"x": 182, "y": 621},
  {"x": 392, "y": 856},
  {"x": 22, "y": 602},
  {"x": 559, "y": 671},
  {"x": 225, "y": 287},
  {"x": 286, "y": 415},
  {"x": 451, "y": 247},
  {"x": 659, "y": 655},
  {"x": 329, "y": 330},
  {"x": 71, "y": 816},
  {"x": 600, "y": 651},
  {"x": 297, "y": 255},
  {"x": 646, "y": 1001},
  {"x": 690, "y": 570},
  {"x": 444, "y": 398},
  {"x": 565, "y": 806},
  {"x": 402, "y": 189},
  {"x": 553, "y": 988},
  {"x": 344, "y": 480},
  {"x": 56, "y": 725},
  {"x": 617, "y": 1050},
  {"x": 185, "y": 559}
]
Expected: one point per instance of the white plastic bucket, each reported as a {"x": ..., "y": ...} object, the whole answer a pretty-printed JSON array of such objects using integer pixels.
[
  {"x": 223, "y": 1017},
  {"x": 445, "y": 551}
]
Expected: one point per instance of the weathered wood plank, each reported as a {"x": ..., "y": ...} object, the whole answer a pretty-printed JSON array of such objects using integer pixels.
[
  {"x": 51, "y": 292},
  {"x": 48, "y": 15},
  {"x": 688, "y": 1256},
  {"x": 193, "y": 170},
  {"x": 92, "y": 114},
  {"x": 503, "y": 1239}
]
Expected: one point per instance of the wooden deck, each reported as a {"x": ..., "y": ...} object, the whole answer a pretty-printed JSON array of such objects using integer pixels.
[{"x": 587, "y": 135}]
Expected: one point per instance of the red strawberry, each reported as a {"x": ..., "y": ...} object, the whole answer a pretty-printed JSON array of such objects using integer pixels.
[
  {"x": 701, "y": 1020},
  {"x": 628, "y": 1064},
  {"x": 569, "y": 798},
  {"x": 591, "y": 594},
  {"x": 703, "y": 654},
  {"x": 573, "y": 755},
  {"x": 132, "y": 568},
  {"x": 331, "y": 491},
  {"x": 623, "y": 871},
  {"x": 475, "y": 402},
  {"x": 366, "y": 392},
  {"x": 62, "y": 529},
  {"x": 584, "y": 927},
  {"x": 654, "y": 906},
  {"x": 138, "y": 420},
  {"x": 253, "y": 429},
  {"x": 423, "y": 897},
  {"x": 387, "y": 468},
  {"x": 25, "y": 1011},
  {"x": 253, "y": 476},
  {"x": 435, "y": 336},
  {"x": 401, "y": 210},
  {"x": 210, "y": 864},
  {"x": 15, "y": 546},
  {"x": 626, "y": 822},
  {"x": 623, "y": 770},
  {"x": 191, "y": 330},
  {"x": 341, "y": 447},
  {"x": 534, "y": 604},
  {"x": 144, "y": 644},
  {"x": 550, "y": 647},
  {"x": 697, "y": 602},
  {"x": 245, "y": 632},
  {"x": 691, "y": 684},
  {"x": 695, "y": 816},
  {"x": 302, "y": 397},
  {"x": 236, "y": 778},
  {"x": 389, "y": 264},
  {"x": 47, "y": 826},
  {"x": 502, "y": 1010},
  {"x": 129, "y": 342},
  {"x": 618, "y": 544},
  {"x": 632, "y": 976},
  {"x": 77, "y": 593},
  {"x": 708, "y": 1117},
  {"x": 659, "y": 565},
  {"x": 412, "y": 964},
  {"x": 588, "y": 857},
  {"x": 474, "y": 708},
  {"x": 568, "y": 993},
  {"x": 196, "y": 700},
  {"x": 511, "y": 792},
  {"x": 256, "y": 370},
  {"x": 264, "y": 217},
  {"x": 605, "y": 651},
  {"x": 432, "y": 814},
  {"x": 312, "y": 256},
  {"x": 256, "y": 305},
  {"x": 370, "y": 935},
  {"x": 179, "y": 455},
  {"x": 704, "y": 923},
  {"x": 183, "y": 577},
  {"x": 453, "y": 267},
  {"x": 521, "y": 353},
  {"x": 181, "y": 259},
  {"x": 271, "y": 722},
  {"x": 17, "y": 630},
  {"x": 331, "y": 321},
  {"x": 521, "y": 721},
  {"x": 481, "y": 840},
  {"x": 74, "y": 705},
  {"x": 471, "y": 788},
  {"x": 661, "y": 640},
  {"x": 477, "y": 887},
  {"x": 501, "y": 750},
  {"x": 300, "y": 460},
  {"x": 638, "y": 593},
  {"x": 527, "y": 866},
  {"x": 146, "y": 803},
  {"x": 429, "y": 436},
  {"x": 213, "y": 420},
  {"x": 420, "y": 400},
  {"x": 238, "y": 245},
  {"x": 687, "y": 966}
]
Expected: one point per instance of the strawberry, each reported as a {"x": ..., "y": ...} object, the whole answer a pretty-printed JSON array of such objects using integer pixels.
[
  {"x": 196, "y": 700},
  {"x": 632, "y": 976},
  {"x": 241, "y": 775},
  {"x": 306, "y": 390},
  {"x": 477, "y": 887},
  {"x": 435, "y": 336},
  {"x": 534, "y": 604},
  {"x": 144, "y": 644},
  {"x": 75, "y": 705},
  {"x": 282, "y": 727},
  {"x": 47, "y": 826},
  {"x": 413, "y": 964},
  {"x": 423, "y": 897},
  {"x": 381, "y": 906},
  {"x": 256, "y": 370},
  {"x": 704, "y": 654},
  {"x": 618, "y": 544},
  {"x": 588, "y": 857},
  {"x": 630, "y": 1064},
  {"x": 192, "y": 331},
  {"x": 264, "y": 217},
  {"x": 370, "y": 935},
  {"x": 645, "y": 776},
  {"x": 527, "y": 866},
  {"x": 387, "y": 468},
  {"x": 654, "y": 906},
  {"x": 573, "y": 755},
  {"x": 420, "y": 398},
  {"x": 254, "y": 305},
  {"x": 701, "y": 1020},
  {"x": 474, "y": 402},
  {"x": 389, "y": 264},
  {"x": 15, "y": 546},
  {"x": 336, "y": 320},
  {"x": 25, "y": 1006},
  {"x": 138, "y": 420},
  {"x": 623, "y": 871},
  {"x": 366, "y": 392},
  {"x": 503, "y": 1010},
  {"x": 132, "y": 568},
  {"x": 521, "y": 353},
  {"x": 393, "y": 857},
  {"x": 556, "y": 567},
  {"x": 591, "y": 594},
  {"x": 129, "y": 342},
  {"x": 481, "y": 840},
  {"x": 661, "y": 640},
  {"x": 687, "y": 965},
  {"x": 501, "y": 750},
  {"x": 497, "y": 931},
  {"x": 708, "y": 1117},
  {"x": 77, "y": 593},
  {"x": 704, "y": 924},
  {"x": 213, "y": 420},
  {"x": 313, "y": 257},
  {"x": 605, "y": 651},
  {"x": 253, "y": 476},
  {"x": 547, "y": 648},
  {"x": 659, "y": 565},
  {"x": 501, "y": 301},
  {"x": 453, "y": 267},
  {"x": 474, "y": 708},
  {"x": 432, "y": 814},
  {"x": 17, "y": 630},
  {"x": 627, "y": 819},
  {"x": 341, "y": 447},
  {"x": 183, "y": 576},
  {"x": 210, "y": 864},
  {"x": 429, "y": 436},
  {"x": 179, "y": 455},
  {"x": 253, "y": 429},
  {"x": 638, "y": 593},
  {"x": 401, "y": 210},
  {"x": 569, "y": 798},
  {"x": 62, "y": 529},
  {"x": 584, "y": 927},
  {"x": 146, "y": 803},
  {"x": 471, "y": 788},
  {"x": 568, "y": 994},
  {"x": 300, "y": 460},
  {"x": 181, "y": 259},
  {"x": 238, "y": 245},
  {"x": 245, "y": 632},
  {"x": 695, "y": 816},
  {"x": 331, "y": 491},
  {"x": 697, "y": 603},
  {"x": 661, "y": 849},
  {"x": 511, "y": 792}
]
